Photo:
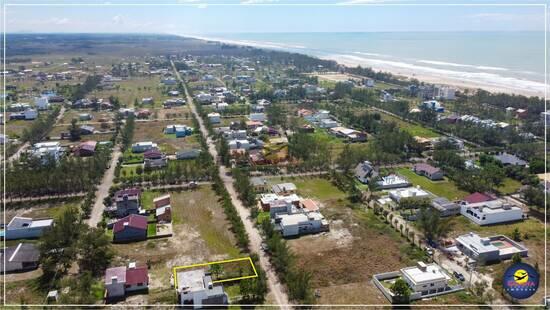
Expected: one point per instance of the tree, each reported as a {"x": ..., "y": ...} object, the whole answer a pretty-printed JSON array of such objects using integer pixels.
[
  {"x": 516, "y": 235},
  {"x": 74, "y": 131},
  {"x": 431, "y": 224},
  {"x": 401, "y": 290},
  {"x": 216, "y": 270},
  {"x": 516, "y": 258},
  {"x": 299, "y": 287},
  {"x": 95, "y": 252},
  {"x": 58, "y": 246}
]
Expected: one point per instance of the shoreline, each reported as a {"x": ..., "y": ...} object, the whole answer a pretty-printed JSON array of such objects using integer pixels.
[{"x": 460, "y": 80}]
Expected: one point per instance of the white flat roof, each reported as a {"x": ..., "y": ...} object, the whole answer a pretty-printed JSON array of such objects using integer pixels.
[{"x": 432, "y": 273}]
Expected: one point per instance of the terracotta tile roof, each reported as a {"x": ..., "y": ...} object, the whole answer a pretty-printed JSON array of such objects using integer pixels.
[{"x": 133, "y": 220}]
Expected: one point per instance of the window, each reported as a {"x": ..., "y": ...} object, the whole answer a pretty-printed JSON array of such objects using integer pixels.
[
  {"x": 431, "y": 284},
  {"x": 140, "y": 284}
]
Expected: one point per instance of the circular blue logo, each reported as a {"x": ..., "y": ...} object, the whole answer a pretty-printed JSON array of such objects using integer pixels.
[{"x": 520, "y": 280}]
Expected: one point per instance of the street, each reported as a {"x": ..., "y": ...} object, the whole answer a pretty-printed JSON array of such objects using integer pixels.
[{"x": 275, "y": 287}]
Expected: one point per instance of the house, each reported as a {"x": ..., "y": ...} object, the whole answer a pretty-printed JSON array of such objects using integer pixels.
[
  {"x": 122, "y": 280},
  {"x": 86, "y": 130},
  {"x": 47, "y": 150},
  {"x": 410, "y": 192},
  {"x": 348, "y": 133},
  {"x": 214, "y": 118},
  {"x": 141, "y": 147},
  {"x": 365, "y": 171},
  {"x": 189, "y": 154},
  {"x": 235, "y": 134},
  {"x": 130, "y": 228},
  {"x": 164, "y": 214},
  {"x": 521, "y": 113},
  {"x": 195, "y": 288},
  {"x": 257, "y": 117},
  {"x": 26, "y": 228},
  {"x": 491, "y": 212},
  {"x": 30, "y": 114},
  {"x": 328, "y": 123},
  {"x": 127, "y": 201},
  {"x": 41, "y": 103},
  {"x": 295, "y": 224},
  {"x": 173, "y": 93},
  {"x": 23, "y": 257},
  {"x": 161, "y": 201},
  {"x": 284, "y": 189},
  {"x": 153, "y": 158},
  {"x": 169, "y": 81},
  {"x": 239, "y": 144},
  {"x": 143, "y": 113},
  {"x": 147, "y": 100},
  {"x": 478, "y": 197},
  {"x": 428, "y": 171},
  {"x": 445, "y": 207},
  {"x": 433, "y": 105},
  {"x": 4, "y": 139},
  {"x": 278, "y": 204},
  {"x": 204, "y": 98},
  {"x": 126, "y": 112},
  {"x": 386, "y": 97},
  {"x": 84, "y": 117},
  {"x": 259, "y": 184},
  {"x": 309, "y": 205},
  {"x": 510, "y": 160},
  {"x": 393, "y": 181},
  {"x": 489, "y": 249},
  {"x": 426, "y": 278},
  {"x": 85, "y": 149},
  {"x": 446, "y": 93}
]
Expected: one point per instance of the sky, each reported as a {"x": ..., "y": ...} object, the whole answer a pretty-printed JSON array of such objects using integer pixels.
[{"x": 201, "y": 17}]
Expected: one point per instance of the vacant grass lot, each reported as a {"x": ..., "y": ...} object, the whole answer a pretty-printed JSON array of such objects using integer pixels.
[
  {"x": 201, "y": 234},
  {"x": 133, "y": 89},
  {"x": 445, "y": 188},
  {"x": 413, "y": 129},
  {"x": 509, "y": 186},
  {"x": 154, "y": 131},
  {"x": 14, "y": 128}
]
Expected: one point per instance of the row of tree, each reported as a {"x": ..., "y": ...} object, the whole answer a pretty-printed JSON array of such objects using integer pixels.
[
  {"x": 33, "y": 177},
  {"x": 40, "y": 127}
]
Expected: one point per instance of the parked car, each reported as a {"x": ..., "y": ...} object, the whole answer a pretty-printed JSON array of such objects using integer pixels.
[
  {"x": 429, "y": 250},
  {"x": 264, "y": 247},
  {"x": 459, "y": 276}
]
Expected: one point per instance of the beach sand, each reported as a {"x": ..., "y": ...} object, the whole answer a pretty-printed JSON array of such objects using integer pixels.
[{"x": 435, "y": 78}]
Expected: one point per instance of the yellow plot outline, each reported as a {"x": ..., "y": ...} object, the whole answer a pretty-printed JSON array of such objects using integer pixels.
[{"x": 175, "y": 269}]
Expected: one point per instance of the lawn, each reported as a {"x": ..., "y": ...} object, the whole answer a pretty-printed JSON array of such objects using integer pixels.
[
  {"x": 316, "y": 188},
  {"x": 509, "y": 186},
  {"x": 445, "y": 188},
  {"x": 151, "y": 230},
  {"x": 154, "y": 131},
  {"x": 413, "y": 129}
]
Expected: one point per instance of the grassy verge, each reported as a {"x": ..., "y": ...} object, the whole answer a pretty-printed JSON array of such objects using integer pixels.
[{"x": 445, "y": 188}]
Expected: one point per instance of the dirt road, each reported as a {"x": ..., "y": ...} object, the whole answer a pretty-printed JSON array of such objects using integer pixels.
[
  {"x": 103, "y": 189},
  {"x": 275, "y": 287}
]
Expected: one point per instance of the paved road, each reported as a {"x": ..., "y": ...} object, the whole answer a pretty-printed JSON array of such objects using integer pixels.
[
  {"x": 103, "y": 189},
  {"x": 274, "y": 285}
]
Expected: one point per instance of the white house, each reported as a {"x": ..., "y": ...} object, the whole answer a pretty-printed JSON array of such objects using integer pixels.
[
  {"x": 446, "y": 93},
  {"x": 300, "y": 223},
  {"x": 410, "y": 192},
  {"x": 239, "y": 144},
  {"x": 393, "y": 181},
  {"x": 204, "y": 98},
  {"x": 214, "y": 118},
  {"x": 26, "y": 228},
  {"x": 140, "y": 147},
  {"x": 4, "y": 139},
  {"x": 45, "y": 150},
  {"x": 491, "y": 212},
  {"x": 328, "y": 123},
  {"x": 31, "y": 114},
  {"x": 41, "y": 103},
  {"x": 489, "y": 249},
  {"x": 195, "y": 289},
  {"x": 426, "y": 278},
  {"x": 257, "y": 117}
]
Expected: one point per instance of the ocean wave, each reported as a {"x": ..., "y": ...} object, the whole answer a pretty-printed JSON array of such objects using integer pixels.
[
  {"x": 483, "y": 79},
  {"x": 452, "y": 64},
  {"x": 370, "y": 54},
  {"x": 260, "y": 44}
]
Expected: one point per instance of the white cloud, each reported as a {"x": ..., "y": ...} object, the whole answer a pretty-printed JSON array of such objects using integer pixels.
[{"x": 119, "y": 19}]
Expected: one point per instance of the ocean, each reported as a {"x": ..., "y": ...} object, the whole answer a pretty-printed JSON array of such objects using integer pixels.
[{"x": 511, "y": 61}]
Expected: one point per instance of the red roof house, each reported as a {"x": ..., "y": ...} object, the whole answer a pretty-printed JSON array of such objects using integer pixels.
[
  {"x": 478, "y": 197},
  {"x": 130, "y": 228}
]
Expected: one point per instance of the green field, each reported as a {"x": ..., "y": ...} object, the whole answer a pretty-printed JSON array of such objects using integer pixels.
[
  {"x": 445, "y": 188},
  {"x": 412, "y": 129},
  {"x": 509, "y": 186}
]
